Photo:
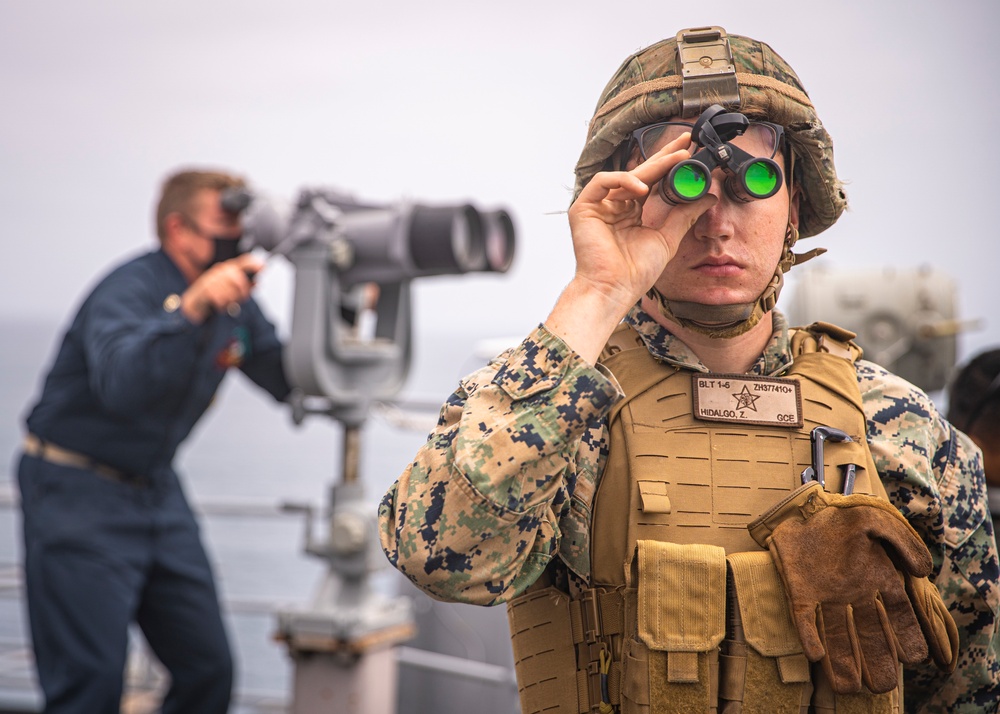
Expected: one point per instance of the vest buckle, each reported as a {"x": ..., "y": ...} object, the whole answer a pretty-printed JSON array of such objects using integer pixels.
[{"x": 590, "y": 612}]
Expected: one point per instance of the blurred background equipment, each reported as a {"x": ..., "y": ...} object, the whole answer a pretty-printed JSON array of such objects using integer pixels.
[
  {"x": 906, "y": 319},
  {"x": 350, "y": 348},
  {"x": 350, "y": 341}
]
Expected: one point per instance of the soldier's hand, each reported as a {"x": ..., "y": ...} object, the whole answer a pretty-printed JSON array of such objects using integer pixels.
[
  {"x": 620, "y": 249},
  {"x": 222, "y": 287}
]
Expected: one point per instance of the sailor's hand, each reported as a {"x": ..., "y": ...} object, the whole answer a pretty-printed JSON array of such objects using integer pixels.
[
  {"x": 621, "y": 249},
  {"x": 221, "y": 288}
]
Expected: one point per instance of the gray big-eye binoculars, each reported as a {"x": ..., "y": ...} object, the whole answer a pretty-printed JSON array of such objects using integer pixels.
[
  {"x": 378, "y": 243},
  {"x": 355, "y": 259}
]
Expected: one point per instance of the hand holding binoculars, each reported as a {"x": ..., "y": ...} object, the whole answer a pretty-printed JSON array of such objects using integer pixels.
[{"x": 748, "y": 177}]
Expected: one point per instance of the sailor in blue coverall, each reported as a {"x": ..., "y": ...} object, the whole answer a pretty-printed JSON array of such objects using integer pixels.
[{"x": 109, "y": 537}]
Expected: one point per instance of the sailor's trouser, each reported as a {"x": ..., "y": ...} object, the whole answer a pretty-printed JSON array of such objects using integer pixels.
[{"x": 100, "y": 554}]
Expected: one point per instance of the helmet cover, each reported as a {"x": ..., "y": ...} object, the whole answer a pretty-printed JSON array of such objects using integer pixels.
[{"x": 648, "y": 88}]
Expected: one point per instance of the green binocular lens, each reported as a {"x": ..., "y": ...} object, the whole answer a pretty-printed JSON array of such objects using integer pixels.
[
  {"x": 690, "y": 180},
  {"x": 687, "y": 181},
  {"x": 761, "y": 178}
]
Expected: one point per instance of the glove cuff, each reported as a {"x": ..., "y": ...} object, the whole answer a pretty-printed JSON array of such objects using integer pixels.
[{"x": 799, "y": 504}]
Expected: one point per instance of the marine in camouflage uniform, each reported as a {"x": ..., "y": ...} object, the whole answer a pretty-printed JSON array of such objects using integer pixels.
[{"x": 501, "y": 497}]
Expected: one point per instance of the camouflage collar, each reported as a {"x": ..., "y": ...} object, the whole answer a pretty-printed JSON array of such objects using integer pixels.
[{"x": 666, "y": 347}]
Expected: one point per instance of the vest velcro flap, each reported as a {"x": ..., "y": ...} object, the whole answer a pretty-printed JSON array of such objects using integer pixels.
[
  {"x": 682, "y": 594},
  {"x": 653, "y": 497},
  {"x": 767, "y": 623}
]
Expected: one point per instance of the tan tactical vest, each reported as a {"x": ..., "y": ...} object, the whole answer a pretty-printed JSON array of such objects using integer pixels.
[{"x": 686, "y": 612}]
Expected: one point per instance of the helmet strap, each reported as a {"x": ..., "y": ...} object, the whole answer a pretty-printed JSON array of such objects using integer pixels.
[{"x": 726, "y": 321}]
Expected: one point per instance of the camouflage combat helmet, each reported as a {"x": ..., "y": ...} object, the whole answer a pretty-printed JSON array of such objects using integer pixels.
[{"x": 682, "y": 76}]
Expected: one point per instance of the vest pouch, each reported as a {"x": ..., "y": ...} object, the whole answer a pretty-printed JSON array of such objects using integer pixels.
[
  {"x": 680, "y": 621},
  {"x": 763, "y": 667},
  {"x": 544, "y": 652}
]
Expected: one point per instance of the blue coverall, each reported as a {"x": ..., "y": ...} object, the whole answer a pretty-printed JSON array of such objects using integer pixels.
[{"x": 129, "y": 382}]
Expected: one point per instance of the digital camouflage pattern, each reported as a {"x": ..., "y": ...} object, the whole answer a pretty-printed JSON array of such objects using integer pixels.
[
  {"x": 641, "y": 92},
  {"x": 506, "y": 481}
]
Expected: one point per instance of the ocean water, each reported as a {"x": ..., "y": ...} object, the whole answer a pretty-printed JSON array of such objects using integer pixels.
[{"x": 245, "y": 459}]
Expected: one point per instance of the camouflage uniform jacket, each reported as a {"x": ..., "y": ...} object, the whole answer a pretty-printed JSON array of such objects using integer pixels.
[{"x": 505, "y": 482}]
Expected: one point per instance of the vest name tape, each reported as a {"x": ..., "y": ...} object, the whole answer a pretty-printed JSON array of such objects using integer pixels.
[{"x": 743, "y": 399}]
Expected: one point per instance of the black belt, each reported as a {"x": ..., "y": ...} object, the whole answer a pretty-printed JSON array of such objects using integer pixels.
[{"x": 54, "y": 454}]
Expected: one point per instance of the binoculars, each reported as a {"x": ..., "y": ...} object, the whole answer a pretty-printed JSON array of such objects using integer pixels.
[
  {"x": 368, "y": 242},
  {"x": 751, "y": 172}
]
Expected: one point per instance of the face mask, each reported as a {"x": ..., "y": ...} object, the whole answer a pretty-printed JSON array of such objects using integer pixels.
[{"x": 225, "y": 249}]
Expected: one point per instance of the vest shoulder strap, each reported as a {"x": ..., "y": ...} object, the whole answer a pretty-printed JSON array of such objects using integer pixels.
[
  {"x": 622, "y": 339},
  {"x": 827, "y": 338},
  {"x": 636, "y": 370}
]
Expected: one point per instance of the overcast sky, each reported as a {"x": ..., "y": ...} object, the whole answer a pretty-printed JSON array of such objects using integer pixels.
[{"x": 451, "y": 101}]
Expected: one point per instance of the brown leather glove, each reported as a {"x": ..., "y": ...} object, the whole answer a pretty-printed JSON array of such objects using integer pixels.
[
  {"x": 936, "y": 622},
  {"x": 838, "y": 557}
]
